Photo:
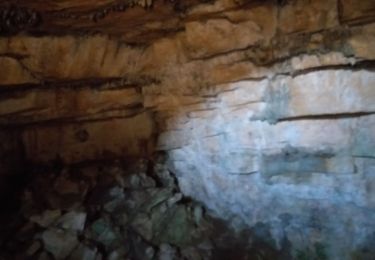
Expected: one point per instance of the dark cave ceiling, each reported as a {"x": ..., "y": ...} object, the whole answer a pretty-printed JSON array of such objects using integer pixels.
[
  {"x": 134, "y": 21},
  {"x": 137, "y": 21}
]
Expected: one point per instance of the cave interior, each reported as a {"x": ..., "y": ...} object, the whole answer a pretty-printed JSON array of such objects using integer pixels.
[{"x": 187, "y": 130}]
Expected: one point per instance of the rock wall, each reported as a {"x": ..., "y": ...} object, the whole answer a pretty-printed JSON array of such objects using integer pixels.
[
  {"x": 272, "y": 125},
  {"x": 71, "y": 100},
  {"x": 265, "y": 108}
]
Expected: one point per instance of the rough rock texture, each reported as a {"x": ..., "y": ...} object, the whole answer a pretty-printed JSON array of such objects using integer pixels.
[
  {"x": 279, "y": 134},
  {"x": 66, "y": 107},
  {"x": 119, "y": 210},
  {"x": 131, "y": 20},
  {"x": 265, "y": 108},
  {"x": 106, "y": 211}
]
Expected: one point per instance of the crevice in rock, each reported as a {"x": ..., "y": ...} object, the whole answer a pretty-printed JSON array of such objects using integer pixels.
[
  {"x": 8, "y": 125},
  {"x": 19, "y": 59},
  {"x": 15, "y": 56},
  {"x": 89, "y": 83},
  {"x": 368, "y": 65},
  {"x": 327, "y": 116},
  {"x": 14, "y": 19}
]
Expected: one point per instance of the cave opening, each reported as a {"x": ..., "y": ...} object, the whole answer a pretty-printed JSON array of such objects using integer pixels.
[{"x": 187, "y": 130}]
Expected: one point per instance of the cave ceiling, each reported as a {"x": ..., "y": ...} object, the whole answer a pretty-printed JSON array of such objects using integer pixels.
[{"x": 136, "y": 21}]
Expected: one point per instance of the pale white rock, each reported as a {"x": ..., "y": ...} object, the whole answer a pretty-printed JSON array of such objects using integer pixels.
[
  {"x": 74, "y": 221},
  {"x": 306, "y": 61},
  {"x": 249, "y": 169},
  {"x": 244, "y": 92},
  {"x": 216, "y": 6},
  {"x": 331, "y": 92},
  {"x": 173, "y": 139},
  {"x": 364, "y": 137}
]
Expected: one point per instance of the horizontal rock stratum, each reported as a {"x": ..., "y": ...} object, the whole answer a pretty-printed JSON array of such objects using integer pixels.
[{"x": 266, "y": 109}]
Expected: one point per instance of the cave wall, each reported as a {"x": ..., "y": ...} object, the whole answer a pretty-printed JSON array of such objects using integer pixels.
[
  {"x": 69, "y": 99},
  {"x": 266, "y": 111},
  {"x": 272, "y": 125}
]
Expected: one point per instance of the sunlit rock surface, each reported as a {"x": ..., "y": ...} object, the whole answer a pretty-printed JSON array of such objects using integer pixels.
[{"x": 265, "y": 109}]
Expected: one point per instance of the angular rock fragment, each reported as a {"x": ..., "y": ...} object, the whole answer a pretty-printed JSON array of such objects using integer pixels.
[
  {"x": 157, "y": 196},
  {"x": 83, "y": 252},
  {"x": 135, "y": 199},
  {"x": 173, "y": 200},
  {"x": 112, "y": 205},
  {"x": 175, "y": 227},
  {"x": 46, "y": 218},
  {"x": 137, "y": 181},
  {"x": 164, "y": 175},
  {"x": 33, "y": 248},
  {"x": 73, "y": 220},
  {"x": 143, "y": 226},
  {"x": 59, "y": 243},
  {"x": 137, "y": 219},
  {"x": 116, "y": 193},
  {"x": 146, "y": 181},
  {"x": 103, "y": 232},
  {"x": 118, "y": 254},
  {"x": 191, "y": 253},
  {"x": 102, "y": 194},
  {"x": 198, "y": 213},
  {"x": 167, "y": 252},
  {"x": 139, "y": 249}
]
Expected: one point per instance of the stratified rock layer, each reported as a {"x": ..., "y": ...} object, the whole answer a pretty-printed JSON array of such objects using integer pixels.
[{"x": 265, "y": 109}]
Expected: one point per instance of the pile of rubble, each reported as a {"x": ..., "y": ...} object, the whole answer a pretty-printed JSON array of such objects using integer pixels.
[{"x": 107, "y": 212}]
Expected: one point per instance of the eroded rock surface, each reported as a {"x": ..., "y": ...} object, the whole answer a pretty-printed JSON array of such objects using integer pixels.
[{"x": 265, "y": 109}]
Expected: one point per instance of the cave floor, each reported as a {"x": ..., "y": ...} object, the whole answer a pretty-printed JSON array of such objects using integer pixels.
[{"x": 116, "y": 210}]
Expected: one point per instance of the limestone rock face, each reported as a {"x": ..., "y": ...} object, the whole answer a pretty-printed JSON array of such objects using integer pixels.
[
  {"x": 357, "y": 12},
  {"x": 265, "y": 109}
]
